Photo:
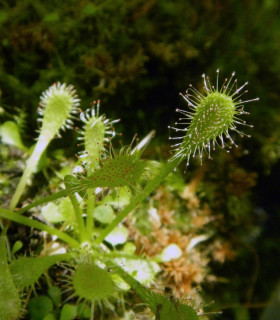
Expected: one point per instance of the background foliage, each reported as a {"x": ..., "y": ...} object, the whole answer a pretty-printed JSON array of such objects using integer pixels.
[{"x": 136, "y": 56}]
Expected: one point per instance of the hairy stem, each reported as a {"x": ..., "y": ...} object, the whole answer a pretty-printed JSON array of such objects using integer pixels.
[
  {"x": 79, "y": 217},
  {"x": 10, "y": 215},
  {"x": 52, "y": 197},
  {"x": 90, "y": 208},
  {"x": 31, "y": 163}
]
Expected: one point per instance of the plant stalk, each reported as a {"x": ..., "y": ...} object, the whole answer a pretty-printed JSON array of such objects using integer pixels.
[
  {"x": 52, "y": 197},
  {"x": 32, "y": 162},
  {"x": 90, "y": 208},
  {"x": 10, "y": 215},
  {"x": 79, "y": 217}
]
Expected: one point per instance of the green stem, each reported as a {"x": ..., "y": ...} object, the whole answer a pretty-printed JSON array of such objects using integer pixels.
[
  {"x": 92, "y": 310},
  {"x": 3, "y": 252},
  {"x": 10, "y": 215},
  {"x": 31, "y": 164},
  {"x": 79, "y": 217},
  {"x": 52, "y": 197},
  {"x": 150, "y": 187},
  {"x": 90, "y": 208}
]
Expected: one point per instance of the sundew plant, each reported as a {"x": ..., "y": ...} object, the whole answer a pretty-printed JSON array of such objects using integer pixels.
[{"x": 85, "y": 221}]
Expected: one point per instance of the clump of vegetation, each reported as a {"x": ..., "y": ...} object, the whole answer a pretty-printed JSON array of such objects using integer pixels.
[{"x": 100, "y": 232}]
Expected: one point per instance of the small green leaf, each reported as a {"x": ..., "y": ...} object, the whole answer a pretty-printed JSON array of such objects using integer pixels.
[
  {"x": 10, "y": 134},
  {"x": 104, "y": 214},
  {"x": 68, "y": 312},
  {"x": 49, "y": 316},
  {"x": 59, "y": 213},
  {"x": 16, "y": 247},
  {"x": 51, "y": 214},
  {"x": 39, "y": 307},
  {"x": 70, "y": 181},
  {"x": 55, "y": 294},
  {"x": 119, "y": 282},
  {"x": 66, "y": 210},
  {"x": 83, "y": 311},
  {"x": 129, "y": 248}
]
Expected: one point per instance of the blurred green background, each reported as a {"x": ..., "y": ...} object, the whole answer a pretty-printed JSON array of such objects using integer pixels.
[{"x": 136, "y": 56}]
